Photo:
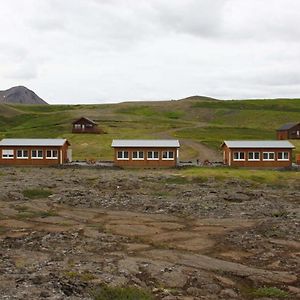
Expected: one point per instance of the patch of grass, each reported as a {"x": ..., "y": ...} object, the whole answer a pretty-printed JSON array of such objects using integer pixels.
[
  {"x": 268, "y": 292},
  {"x": 85, "y": 276},
  {"x": 29, "y": 214},
  {"x": 260, "y": 176},
  {"x": 177, "y": 180},
  {"x": 141, "y": 110},
  {"x": 174, "y": 114},
  {"x": 121, "y": 293},
  {"x": 37, "y": 193}
]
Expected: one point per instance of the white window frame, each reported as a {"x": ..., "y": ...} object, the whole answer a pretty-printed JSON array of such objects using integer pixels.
[
  {"x": 168, "y": 155},
  {"x": 123, "y": 155},
  {"x": 138, "y": 155},
  {"x": 254, "y": 159},
  {"x": 283, "y": 159},
  {"x": 8, "y": 154},
  {"x": 22, "y": 151},
  {"x": 77, "y": 126},
  {"x": 37, "y": 157},
  {"x": 239, "y": 155},
  {"x": 152, "y": 158},
  {"x": 268, "y": 154},
  {"x": 52, "y": 156}
]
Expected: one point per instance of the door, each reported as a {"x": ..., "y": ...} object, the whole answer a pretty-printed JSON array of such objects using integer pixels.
[{"x": 69, "y": 155}]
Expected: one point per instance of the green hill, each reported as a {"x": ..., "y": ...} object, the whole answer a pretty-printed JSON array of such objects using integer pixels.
[{"x": 194, "y": 119}]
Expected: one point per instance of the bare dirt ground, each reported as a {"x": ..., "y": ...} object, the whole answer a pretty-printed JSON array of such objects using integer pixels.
[{"x": 179, "y": 239}]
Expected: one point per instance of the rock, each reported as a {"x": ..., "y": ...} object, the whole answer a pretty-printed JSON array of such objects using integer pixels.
[
  {"x": 44, "y": 294},
  {"x": 229, "y": 294}
]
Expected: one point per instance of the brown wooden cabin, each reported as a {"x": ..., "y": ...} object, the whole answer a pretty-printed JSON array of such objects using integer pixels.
[
  {"x": 146, "y": 153},
  {"x": 34, "y": 152},
  {"x": 288, "y": 131},
  {"x": 85, "y": 125},
  {"x": 258, "y": 154}
]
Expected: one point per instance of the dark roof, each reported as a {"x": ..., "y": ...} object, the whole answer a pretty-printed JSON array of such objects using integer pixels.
[
  {"x": 87, "y": 119},
  {"x": 287, "y": 126}
]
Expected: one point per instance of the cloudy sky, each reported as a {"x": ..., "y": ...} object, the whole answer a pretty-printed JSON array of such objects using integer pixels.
[{"x": 96, "y": 51}]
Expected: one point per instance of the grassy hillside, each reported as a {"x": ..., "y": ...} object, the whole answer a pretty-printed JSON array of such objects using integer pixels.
[{"x": 199, "y": 119}]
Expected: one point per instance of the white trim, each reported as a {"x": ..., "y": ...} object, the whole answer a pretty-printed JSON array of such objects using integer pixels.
[
  {"x": 8, "y": 152},
  {"x": 239, "y": 155},
  {"x": 51, "y": 157},
  {"x": 153, "y": 158},
  {"x": 268, "y": 159},
  {"x": 254, "y": 159},
  {"x": 61, "y": 158},
  {"x": 37, "y": 157},
  {"x": 138, "y": 158},
  {"x": 122, "y": 158},
  {"x": 22, "y": 157},
  {"x": 283, "y": 159},
  {"x": 168, "y": 155}
]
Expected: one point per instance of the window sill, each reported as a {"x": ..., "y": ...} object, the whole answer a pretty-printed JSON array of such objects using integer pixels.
[
  {"x": 122, "y": 158},
  {"x": 138, "y": 158},
  {"x": 22, "y": 157},
  {"x": 167, "y": 159},
  {"x": 52, "y": 158},
  {"x": 152, "y": 158}
]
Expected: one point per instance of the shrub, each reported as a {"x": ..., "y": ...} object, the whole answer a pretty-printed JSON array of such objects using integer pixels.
[
  {"x": 121, "y": 293},
  {"x": 269, "y": 292},
  {"x": 36, "y": 193}
]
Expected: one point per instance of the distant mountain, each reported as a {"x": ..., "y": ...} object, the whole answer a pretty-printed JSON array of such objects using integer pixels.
[{"x": 20, "y": 95}]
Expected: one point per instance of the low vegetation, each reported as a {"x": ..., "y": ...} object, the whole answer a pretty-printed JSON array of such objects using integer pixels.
[
  {"x": 121, "y": 293},
  {"x": 273, "y": 292},
  {"x": 272, "y": 177},
  {"x": 207, "y": 121},
  {"x": 36, "y": 193}
]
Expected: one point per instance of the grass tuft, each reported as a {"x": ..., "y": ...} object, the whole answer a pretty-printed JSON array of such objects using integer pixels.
[
  {"x": 37, "y": 193},
  {"x": 121, "y": 293},
  {"x": 269, "y": 292}
]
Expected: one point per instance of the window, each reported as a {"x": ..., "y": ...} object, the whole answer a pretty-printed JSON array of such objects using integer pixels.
[
  {"x": 238, "y": 155},
  {"x": 123, "y": 155},
  {"x": 283, "y": 156},
  {"x": 268, "y": 156},
  {"x": 37, "y": 154},
  {"x": 137, "y": 155},
  {"x": 8, "y": 154},
  {"x": 22, "y": 154},
  {"x": 153, "y": 155},
  {"x": 168, "y": 155},
  {"x": 77, "y": 126},
  {"x": 253, "y": 156},
  {"x": 51, "y": 154}
]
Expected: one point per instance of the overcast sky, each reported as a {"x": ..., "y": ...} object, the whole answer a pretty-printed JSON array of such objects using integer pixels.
[{"x": 96, "y": 51}]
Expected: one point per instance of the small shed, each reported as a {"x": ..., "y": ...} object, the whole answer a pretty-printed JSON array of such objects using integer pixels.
[
  {"x": 257, "y": 154},
  {"x": 34, "y": 152},
  {"x": 85, "y": 125},
  {"x": 146, "y": 153},
  {"x": 289, "y": 131}
]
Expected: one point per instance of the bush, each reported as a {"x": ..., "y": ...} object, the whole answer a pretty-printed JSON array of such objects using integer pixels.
[
  {"x": 36, "y": 193},
  {"x": 121, "y": 293},
  {"x": 269, "y": 292}
]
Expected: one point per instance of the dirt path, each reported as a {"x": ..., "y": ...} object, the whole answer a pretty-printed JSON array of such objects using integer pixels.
[{"x": 193, "y": 150}]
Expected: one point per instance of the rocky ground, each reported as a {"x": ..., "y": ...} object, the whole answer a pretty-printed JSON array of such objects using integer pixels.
[{"x": 178, "y": 238}]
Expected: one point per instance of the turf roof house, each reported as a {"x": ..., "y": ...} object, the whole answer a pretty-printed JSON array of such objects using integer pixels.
[
  {"x": 269, "y": 154},
  {"x": 146, "y": 153},
  {"x": 85, "y": 125},
  {"x": 288, "y": 131},
  {"x": 36, "y": 152}
]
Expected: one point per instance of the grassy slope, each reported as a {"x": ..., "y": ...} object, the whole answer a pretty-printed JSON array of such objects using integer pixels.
[{"x": 208, "y": 121}]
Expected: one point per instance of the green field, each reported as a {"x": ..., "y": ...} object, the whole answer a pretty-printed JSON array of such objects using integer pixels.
[{"x": 202, "y": 120}]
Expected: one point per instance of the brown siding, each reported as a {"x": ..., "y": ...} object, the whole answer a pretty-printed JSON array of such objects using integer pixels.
[
  {"x": 228, "y": 158},
  {"x": 289, "y": 134},
  {"x": 62, "y": 156},
  {"x": 145, "y": 163},
  {"x": 298, "y": 159}
]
